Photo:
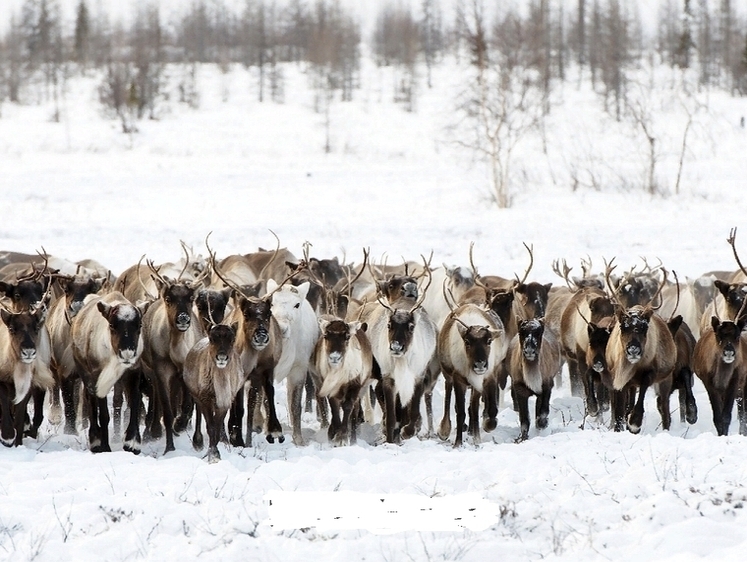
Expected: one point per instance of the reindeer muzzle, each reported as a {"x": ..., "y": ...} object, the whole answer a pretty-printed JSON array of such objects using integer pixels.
[
  {"x": 74, "y": 308},
  {"x": 127, "y": 356},
  {"x": 598, "y": 366},
  {"x": 728, "y": 355},
  {"x": 397, "y": 349},
  {"x": 335, "y": 358},
  {"x": 28, "y": 355},
  {"x": 221, "y": 360},
  {"x": 260, "y": 339},
  {"x": 183, "y": 321},
  {"x": 633, "y": 353},
  {"x": 410, "y": 290},
  {"x": 480, "y": 367}
]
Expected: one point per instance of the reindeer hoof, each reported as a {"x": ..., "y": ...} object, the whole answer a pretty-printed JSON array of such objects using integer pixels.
[
  {"x": 132, "y": 446},
  {"x": 541, "y": 423},
  {"x": 489, "y": 424},
  {"x": 213, "y": 456},
  {"x": 198, "y": 442},
  {"x": 169, "y": 448}
]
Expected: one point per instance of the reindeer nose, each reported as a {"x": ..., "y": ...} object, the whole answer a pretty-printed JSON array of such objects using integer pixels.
[
  {"x": 335, "y": 358},
  {"x": 221, "y": 360},
  {"x": 28, "y": 355},
  {"x": 396, "y": 348},
  {"x": 127, "y": 356},
  {"x": 410, "y": 290},
  {"x": 183, "y": 321},
  {"x": 598, "y": 366},
  {"x": 260, "y": 339},
  {"x": 729, "y": 355},
  {"x": 480, "y": 367},
  {"x": 633, "y": 353}
]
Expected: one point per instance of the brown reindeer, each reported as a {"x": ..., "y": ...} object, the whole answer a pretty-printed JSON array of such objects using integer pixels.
[
  {"x": 107, "y": 345},
  {"x": 640, "y": 353},
  {"x": 342, "y": 365},
  {"x": 471, "y": 346},
  {"x": 720, "y": 361},
  {"x": 534, "y": 361},
  {"x": 21, "y": 368},
  {"x": 213, "y": 375}
]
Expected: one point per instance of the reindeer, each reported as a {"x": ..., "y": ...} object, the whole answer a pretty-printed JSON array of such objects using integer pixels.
[
  {"x": 21, "y": 368},
  {"x": 720, "y": 361},
  {"x": 61, "y": 314},
  {"x": 107, "y": 345},
  {"x": 342, "y": 365},
  {"x": 640, "y": 353},
  {"x": 534, "y": 361},
  {"x": 170, "y": 329},
  {"x": 259, "y": 345},
  {"x": 403, "y": 341},
  {"x": 471, "y": 346},
  {"x": 213, "y": 375}
]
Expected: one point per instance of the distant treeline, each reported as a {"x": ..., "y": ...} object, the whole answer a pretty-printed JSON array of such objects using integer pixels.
[{"x": 603, "y": 36}]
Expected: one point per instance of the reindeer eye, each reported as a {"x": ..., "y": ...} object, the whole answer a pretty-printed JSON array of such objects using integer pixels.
[
  {"x": 168, "y": 300},
  {"x": 297, "y": 305},
  {"x": 16, "y": 296}
]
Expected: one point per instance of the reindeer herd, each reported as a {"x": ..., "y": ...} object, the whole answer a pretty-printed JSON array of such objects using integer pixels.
[{"x": 170, "y": 344}]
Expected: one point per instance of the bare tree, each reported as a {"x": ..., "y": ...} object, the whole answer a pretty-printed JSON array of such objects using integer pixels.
[
  {"x": 82, "y": 36},
  {"x": 501, "y": 106},
  {"x": 396, "y": 44}
]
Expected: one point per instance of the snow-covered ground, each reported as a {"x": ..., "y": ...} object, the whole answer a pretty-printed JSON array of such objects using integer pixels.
[{"x": 394, "y": 181}]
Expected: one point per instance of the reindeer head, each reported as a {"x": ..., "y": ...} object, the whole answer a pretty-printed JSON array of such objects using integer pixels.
[
  {"x": 728, "y": 337},
  {"x": 211, "y": 305},
  {"x": 26, "y": 293},
  {"x": 397, "y": 287},
  {"x": 286, "y": 304},
  {"x": 336, "y": 335},
  {"x": 257, "y": 315},
  {"x": 634, "y": 324},
  {"x": 222, "y": 339},
  {"x": 76, "y": 289},
  {"x": 178, "y": 299},
  {"x": 24, "y": 329},
  {"x": 501, "y": 303},
  {"x": 477, "y": 340},
  {"x": 530, "y": 338},
  {"x": 401, "y": 327},
  {"x": 125, "y": 322},
  {"x": 734, "y": 295},
  {"x": 534, "y": 298}
]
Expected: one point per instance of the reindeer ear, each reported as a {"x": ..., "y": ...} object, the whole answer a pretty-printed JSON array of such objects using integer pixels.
[
  {"x": 722, "y": 286},
  {"x": 675, "y": 324},
  {"x": 495, "y": 334},
  {"x": 303, "y": 289},
  {"x": 548, "y": 286},
  {"x": 381, "y": 286},
  {"x": 292, "y": 266},
  {"x": 353, "y": 327},
  {"x": 6, "y": 315},
  {"x": 323, "y": 323},
  {"x": 364, "y": 326},
  {"x": 271, "y": 285},
  {"x": 461, "y": 328},
  {"x": 64, "y": 284},
  {"x": 143, "y": 306},
  {"x": 715, "y": 323},
  {"x": 227, "y": 292},
  {"x": 160, "y": 285},
  {"x": 104, "y": 309}
]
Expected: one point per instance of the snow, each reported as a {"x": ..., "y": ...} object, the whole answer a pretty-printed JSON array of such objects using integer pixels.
[{"x": 394, "y": 182}]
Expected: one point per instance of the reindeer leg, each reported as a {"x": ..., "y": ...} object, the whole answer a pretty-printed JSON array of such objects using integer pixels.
[
  {"x": 635, "y": 418},
  {"x": 274, "y": 429},
  {"x": 444, "y": 428},
  {"x": 104, "y": 425},
  {"x": 117, "y": 402},
  {"x": 213, "y": 431},
  {"x": 310, "y": 392},
  {"x": 728, "y": 406},
  {"x": 131, "y": 384},
  {"x": 7, "y": 429},
  {"x": 197, "y": 440},
  {"x": 69, "y": 388},
  {"x": 576, "y": 378},
  {"x": 38, "y": 395},
  {"x": 474, "y": 416},
  {"x": 490, "y": 392},
  {"x": 521, "y": 394},
  {"x": 542, "y": 407},
  {"x": 335, "y": 426},
  {"x": 161, "y": 388},
  {"x": 55, "y": 406},
  {"x": 414, "y": 418},
  {"x": 592, "y": 405},
  {"x": 619, "y": 402},
  {"x": 664, "y": 392},
  {"x": 390, "y": 416},
  {"x": 691, "y": 407},
  {"x": 19, "y": 417},
  {"x": 460, "y": 391},
  {"x": 94, "y": 433},
  {"x": 236, "y": 416}
]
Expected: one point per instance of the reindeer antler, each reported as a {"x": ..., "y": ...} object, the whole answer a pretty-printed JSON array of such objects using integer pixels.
[
  {"x": 658, "y": 291},
  {"x": 272, "y": 259},
  {"x": 732, "y": 242},
  {"x": 531, "y": 263},
  {"x": 586, "y": 266},
  {"x": 211, "y": 255},
  {"x": 677, "y": 302},
  {"x": 564, "y": 274}
]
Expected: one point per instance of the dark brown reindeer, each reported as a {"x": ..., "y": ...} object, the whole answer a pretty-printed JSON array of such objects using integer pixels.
[
  {"x": 107, "y": 345},
  {"x": 213, "y": 375},
  {"x": 22, "y": 367},
  {"x": 342, "y": 365},
  {"x": 170, "y": 329},
  {"x": 720, "y": 361},
  {"x": 259, "y": 344},
  {"x": 640, "y": 353},
  {"x": 534, "y": 361}
]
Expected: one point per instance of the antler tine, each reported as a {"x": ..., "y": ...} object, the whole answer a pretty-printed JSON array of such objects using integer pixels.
[
  {"x": 676, "y": 302},
  {"x": 581, "y": 314},
  {"x": 586, "y": 266},
  {"x": 140, "y": 279},
  {"x": 156, "y": 272},
  {"x": 565, "y": 273},
  {"x": 382, "y": 302},
  {"x": 366, "y": 253},
  {"x": 43, "y": 255},
  {"x": 272, "y": 259},
  {"x": 186, "y": 260},
  {"x": 211, "y": 255},
  {"x": 658, "y": 291},
  {"x": 531, "y": 263},
  {"x": 444, "y": 290},
  {"x": 421, "y": 298},
  {"x": 732, "y": 242},
  {"x": 475, "y": 275},
  {"x": 280, "y": 285},
  {"x": 608, "y": 269}
]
